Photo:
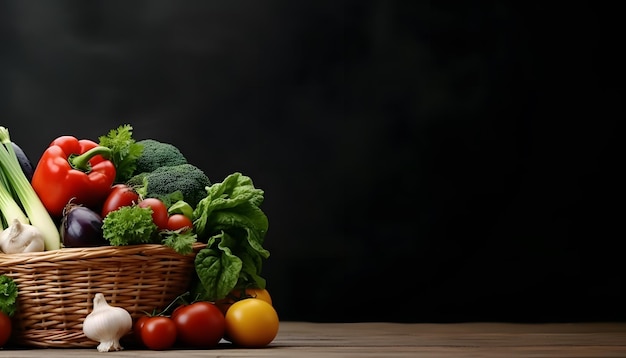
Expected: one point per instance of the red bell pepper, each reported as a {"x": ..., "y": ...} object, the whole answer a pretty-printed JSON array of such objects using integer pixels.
[{"x": 73, "y": 170}]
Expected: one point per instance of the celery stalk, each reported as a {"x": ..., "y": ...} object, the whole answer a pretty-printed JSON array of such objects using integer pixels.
[{"x": 26, "y": 196}]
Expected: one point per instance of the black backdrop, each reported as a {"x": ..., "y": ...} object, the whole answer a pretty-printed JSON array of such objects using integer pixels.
[{"x": 421, "y": 162}]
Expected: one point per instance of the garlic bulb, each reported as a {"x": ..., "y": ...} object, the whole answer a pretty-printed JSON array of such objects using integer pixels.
[
  {"x": 20, "y": 237},
  {"x": 106, "y": 324}
]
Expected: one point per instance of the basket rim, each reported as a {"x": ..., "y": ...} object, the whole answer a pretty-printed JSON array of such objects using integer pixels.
[{"x": 75, "y": 253}]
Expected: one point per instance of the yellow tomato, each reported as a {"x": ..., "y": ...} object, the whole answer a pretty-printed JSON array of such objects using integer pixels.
[{"x": 251, "y": 323}]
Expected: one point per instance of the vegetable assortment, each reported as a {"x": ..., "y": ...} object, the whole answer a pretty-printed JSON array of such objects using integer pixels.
[{"x": 119, "y": 191}]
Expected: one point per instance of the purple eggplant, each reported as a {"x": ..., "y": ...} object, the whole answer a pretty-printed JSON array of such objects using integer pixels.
[
  {"x": 25, "y": 163},
  {"x": 81, "y": 227}
]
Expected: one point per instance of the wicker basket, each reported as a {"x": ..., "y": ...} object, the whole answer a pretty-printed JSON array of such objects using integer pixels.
[{"x": 56, "y": 288}]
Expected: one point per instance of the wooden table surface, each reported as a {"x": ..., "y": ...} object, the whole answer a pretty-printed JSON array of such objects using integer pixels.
[{"x": 304, "y": 339}]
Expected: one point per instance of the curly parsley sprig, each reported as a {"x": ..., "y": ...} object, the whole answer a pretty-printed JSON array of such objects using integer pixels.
[{"x": 8, "y": 295}]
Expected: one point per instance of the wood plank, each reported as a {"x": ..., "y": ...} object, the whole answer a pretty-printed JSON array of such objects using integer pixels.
[{"x": 304, "y": 339}]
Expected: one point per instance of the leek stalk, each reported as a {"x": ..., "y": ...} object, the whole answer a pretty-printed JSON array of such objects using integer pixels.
[{"x": 17, "y": 182}]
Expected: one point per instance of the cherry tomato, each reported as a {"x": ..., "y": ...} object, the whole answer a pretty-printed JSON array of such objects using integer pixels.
[
  {"x": 120, "y": 195},
  {"x": 251, "y": 323},
  {"x": 179, "y": 221},
  {"x": 5, "y": 328},
  {"x": 157, "y": 332},
  {"x": 159, "y": 211},
  {"x": 237, "y": 295},
  {"x": 199, "y": 324},
  {"x": 136, "y": 334}
]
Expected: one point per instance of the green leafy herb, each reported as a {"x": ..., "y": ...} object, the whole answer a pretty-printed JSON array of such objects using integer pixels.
[
  {"x": 124, "y": 151},
  {"x": 180, "y": 240},
  {"x": 8, "y": 295},
  {"x": 129, "y": 225},
  {"x": 232, "y": 224}
]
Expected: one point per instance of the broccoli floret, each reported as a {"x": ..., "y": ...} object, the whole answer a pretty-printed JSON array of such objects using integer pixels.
[
  {"x": 158, "y": 154},
  {"x": 172, "y": 183}
]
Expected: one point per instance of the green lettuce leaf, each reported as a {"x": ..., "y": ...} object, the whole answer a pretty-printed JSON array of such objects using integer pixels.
[
  {"x": 218, "y": 271},
  {"x": 233, "y": 225}
]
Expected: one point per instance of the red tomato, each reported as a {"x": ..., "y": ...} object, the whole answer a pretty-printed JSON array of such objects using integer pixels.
[
  {"x": 5, "y": 328},
  {"x": 120, "y": 195},
  {"x": 179, "y": 221},
  {"x": 200, "y": 324},
  {"x": 159, "y": 211},
  {"x": 157, "y": 332}
]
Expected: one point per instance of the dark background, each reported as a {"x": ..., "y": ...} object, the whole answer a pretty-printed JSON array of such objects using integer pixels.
[{"x": 421, "y": 161}]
